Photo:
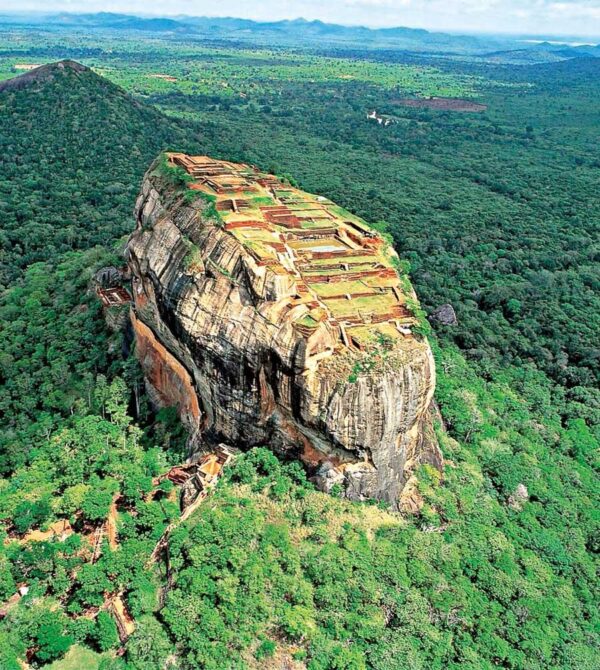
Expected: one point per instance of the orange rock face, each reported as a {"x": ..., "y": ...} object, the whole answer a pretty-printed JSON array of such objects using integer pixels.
[{"x": 165, "y": 374}]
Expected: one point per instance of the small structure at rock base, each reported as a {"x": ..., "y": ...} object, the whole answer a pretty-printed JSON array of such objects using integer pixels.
[
  {"x": 203, "y": 479},
  {"x": 197, "y": 480},
  {"x": 113, "y": 297},
  {"x": 198, "y": 477}
]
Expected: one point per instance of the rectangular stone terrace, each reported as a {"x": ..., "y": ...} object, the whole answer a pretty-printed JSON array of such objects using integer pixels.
[{"x": 343, "y": 270}]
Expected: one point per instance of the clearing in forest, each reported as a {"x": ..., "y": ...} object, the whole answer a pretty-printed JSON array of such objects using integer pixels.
[{"x": 442, "y": 104}]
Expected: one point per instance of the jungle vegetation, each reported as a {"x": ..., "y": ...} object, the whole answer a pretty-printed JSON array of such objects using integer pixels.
[{"x": 497, "y": 213}]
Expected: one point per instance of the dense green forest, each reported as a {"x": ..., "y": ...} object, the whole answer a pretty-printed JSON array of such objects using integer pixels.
[
  {"x": 74, "y": 149},
  {"x": 69, "y": 178},
  {"x": 497, "y": 213}
]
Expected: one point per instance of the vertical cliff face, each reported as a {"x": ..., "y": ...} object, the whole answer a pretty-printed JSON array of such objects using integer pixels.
[
  {"x": 169, "y": 383},
  {"x": 273, "y": 317}
]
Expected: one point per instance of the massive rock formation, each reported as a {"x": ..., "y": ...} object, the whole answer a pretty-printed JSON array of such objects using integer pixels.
[{"x": 273, "y": 317}]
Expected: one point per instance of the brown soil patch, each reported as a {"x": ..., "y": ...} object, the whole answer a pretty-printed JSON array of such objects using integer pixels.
[
  {"x": 165, "y": 77},
  {"x": 111, "y": 526},
  {"x": 59, "y": 530},
  {"x": 443, "y": 104}
]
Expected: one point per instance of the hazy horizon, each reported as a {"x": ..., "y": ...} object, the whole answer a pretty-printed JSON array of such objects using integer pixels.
[{"x": 575, "y": 18}]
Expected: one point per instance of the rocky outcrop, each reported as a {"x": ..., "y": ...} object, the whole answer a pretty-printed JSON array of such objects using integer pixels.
[
  {"x": 272, "y": 317},
  {"x": 518, "y": 497},
  {"x": 444, "y": 315},
  {"x": 42, "y": 74}
]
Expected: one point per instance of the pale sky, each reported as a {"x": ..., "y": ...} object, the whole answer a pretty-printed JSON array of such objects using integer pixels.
[{"x": 558, "y": 17}]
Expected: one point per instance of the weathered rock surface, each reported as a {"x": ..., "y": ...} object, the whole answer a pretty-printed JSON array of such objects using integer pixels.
[
  {"x": 108, "y": 277},
  {"x": 254, "y": 353},
  {"x": 518, "y": 497},
  {"x": 42, "y": 74},
  {"x": 445, "y": 315}
]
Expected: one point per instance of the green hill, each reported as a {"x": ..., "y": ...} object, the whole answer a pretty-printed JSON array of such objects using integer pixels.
[
  {"x": 73, "y": 151},
  {"x": 73, "y": 148}
]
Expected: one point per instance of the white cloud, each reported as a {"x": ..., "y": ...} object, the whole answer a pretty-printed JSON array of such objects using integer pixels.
[
  {"x": 378, "y": 3},
  {"x": 575, "y": 10}
]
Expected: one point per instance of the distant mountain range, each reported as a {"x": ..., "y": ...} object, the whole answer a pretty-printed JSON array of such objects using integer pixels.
[
  {"x": 543, "y": 52},
  {"x": 300, "y": 32}
]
